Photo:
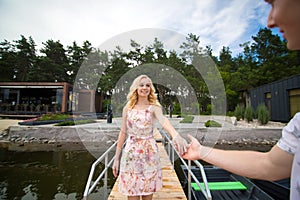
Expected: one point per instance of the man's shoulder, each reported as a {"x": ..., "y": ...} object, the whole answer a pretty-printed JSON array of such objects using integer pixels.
[
  {"x": 297, "y": 116},
  {"x": 296, "y": 119}
]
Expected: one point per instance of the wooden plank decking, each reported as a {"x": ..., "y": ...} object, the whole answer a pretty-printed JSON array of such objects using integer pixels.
[{"x": 171, "y": 186}]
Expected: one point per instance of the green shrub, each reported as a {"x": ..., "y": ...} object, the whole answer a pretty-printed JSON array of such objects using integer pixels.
[
  {"x": 209, "y": 109},
  {"x": 177, "y": 109},
  {"x": 239, "y": 112},
  {"x": 187, "y": 119},
  {"x": 72, "y": 123},
  {"x": 249, "y": 114},
  {"x": 55, "y": 116},
  {"x": 230, "y": 114},
  {"x": 263, "y": 115},
  {"x": 212, "y": 123}
]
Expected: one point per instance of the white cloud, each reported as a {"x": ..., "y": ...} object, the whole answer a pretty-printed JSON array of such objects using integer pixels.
[
  {"x": 217, "y": 22},
  {"x": 222, "y": 24}
]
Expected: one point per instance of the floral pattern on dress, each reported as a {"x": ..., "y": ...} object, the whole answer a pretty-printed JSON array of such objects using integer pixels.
[{"x": 140, "y": 170}]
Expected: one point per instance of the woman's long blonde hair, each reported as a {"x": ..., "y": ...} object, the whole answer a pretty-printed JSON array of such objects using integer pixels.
[{"x": 132, "y": 96}]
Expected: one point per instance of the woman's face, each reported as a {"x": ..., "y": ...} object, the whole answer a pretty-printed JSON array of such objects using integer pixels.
[
  {"x": 285, "y": 14},
  {"x": 144, "y": 87}
]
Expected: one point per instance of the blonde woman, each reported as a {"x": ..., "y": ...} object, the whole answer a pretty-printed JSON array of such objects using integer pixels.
[{"x": 140, "y": 171}]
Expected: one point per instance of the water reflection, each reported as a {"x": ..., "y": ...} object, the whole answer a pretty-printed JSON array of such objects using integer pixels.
[
  {"x": 46, "y": 175},
  {"x": 59, "y": 174}
]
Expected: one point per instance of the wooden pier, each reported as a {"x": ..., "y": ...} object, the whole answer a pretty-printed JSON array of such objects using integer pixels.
[{"x": 171, "y": 186}]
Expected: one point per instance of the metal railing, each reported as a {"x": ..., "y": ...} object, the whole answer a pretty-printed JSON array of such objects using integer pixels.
[
  {"x": 91, "y": 186},
  {"x": 171, "y": 151}
]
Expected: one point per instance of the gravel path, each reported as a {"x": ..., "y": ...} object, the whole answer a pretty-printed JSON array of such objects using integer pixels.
[{"x": 6, "y": 123}]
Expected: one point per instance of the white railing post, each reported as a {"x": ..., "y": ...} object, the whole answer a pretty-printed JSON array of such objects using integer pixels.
[
  {"x": 105, "y": 177},
  {"x": 205, "y": 191},
  {"x": 89, "y": 186},
  {"x": 189, "y": 181}
]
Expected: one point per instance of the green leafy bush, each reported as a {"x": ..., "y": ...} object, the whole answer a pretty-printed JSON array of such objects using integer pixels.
[
  {"x": 187, "y": 119},
  {"x": 212, "y": 123},
  {"x": 72, "y": 123},
  {"x": 263, "y": 115},
  {"x": 239, "y": 112},
  {"x": 177, "y": 109},
  {"x": 55, "y": 116},
  {"x": 249, "y": 114},
  {"x": 209, "y": 109},
  {"x": 230, "y": 114}
]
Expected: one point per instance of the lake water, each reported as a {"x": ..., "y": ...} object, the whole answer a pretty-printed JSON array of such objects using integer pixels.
[
  {"x": 46, "y": 175},
  {"x": 56, "y": 174}
]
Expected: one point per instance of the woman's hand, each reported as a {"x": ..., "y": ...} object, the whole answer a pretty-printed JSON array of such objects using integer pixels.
[
  {"x": 115, "y": 167},
  {"x": 180, "y": 144}
]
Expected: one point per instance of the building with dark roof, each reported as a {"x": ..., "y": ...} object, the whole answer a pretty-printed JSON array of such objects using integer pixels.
[{"x": 282, "y": 98}]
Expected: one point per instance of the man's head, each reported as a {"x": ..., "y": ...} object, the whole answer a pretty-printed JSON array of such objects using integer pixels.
[{"x": 285, "y": 14}]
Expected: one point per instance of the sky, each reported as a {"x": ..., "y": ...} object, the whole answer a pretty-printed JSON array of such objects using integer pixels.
[{"x": 218, "y": 23}]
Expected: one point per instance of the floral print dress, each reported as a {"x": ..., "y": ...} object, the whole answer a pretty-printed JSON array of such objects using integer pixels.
[{"x": 140, "y": 170}]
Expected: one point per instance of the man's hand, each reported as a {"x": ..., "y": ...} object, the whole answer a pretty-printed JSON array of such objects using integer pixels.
[{"x": 194, "y": 149}]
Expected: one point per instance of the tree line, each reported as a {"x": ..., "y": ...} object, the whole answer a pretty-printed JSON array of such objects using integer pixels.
[{"x": 264, "y": 60}]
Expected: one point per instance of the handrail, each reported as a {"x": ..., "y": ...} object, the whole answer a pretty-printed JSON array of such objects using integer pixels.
[
  {"x": 88, "y": 187},
  {"x": 206, "y": 192},
  {"x": 201, "y": 168}
]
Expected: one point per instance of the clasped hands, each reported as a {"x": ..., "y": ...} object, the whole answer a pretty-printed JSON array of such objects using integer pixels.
[
  {"x": 187, "y": 151},
  {"x": 180, "y": 144},
  {"x": 191, "y": 151}
]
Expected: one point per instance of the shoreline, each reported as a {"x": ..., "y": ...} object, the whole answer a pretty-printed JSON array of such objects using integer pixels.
[
  {"x": 89, "y": 136},
  {"x": 79, "y": 146},
  {"x": 244, "y": 139}
]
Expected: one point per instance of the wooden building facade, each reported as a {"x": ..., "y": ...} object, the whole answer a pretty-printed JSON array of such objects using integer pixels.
[
  {"x": 282, "y": 98},
  {"x": 35, "y": 97}
]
